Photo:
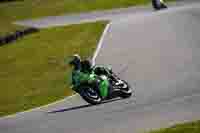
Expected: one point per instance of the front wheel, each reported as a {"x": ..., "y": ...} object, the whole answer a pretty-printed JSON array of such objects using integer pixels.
[
  {"x": 125, "y": 91},
  {"x": 90, "y": 95}
]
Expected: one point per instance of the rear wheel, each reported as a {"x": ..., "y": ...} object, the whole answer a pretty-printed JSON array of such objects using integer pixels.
[{"x": 90, "y": 95}]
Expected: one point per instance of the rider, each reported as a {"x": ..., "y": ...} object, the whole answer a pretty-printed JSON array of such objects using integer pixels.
[{"x": 78, "y": 75}]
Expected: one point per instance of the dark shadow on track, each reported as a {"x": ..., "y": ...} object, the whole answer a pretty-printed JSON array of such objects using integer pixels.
[
  {"x": 70, "y": 109},
  {"x": 81, "y": 106}
]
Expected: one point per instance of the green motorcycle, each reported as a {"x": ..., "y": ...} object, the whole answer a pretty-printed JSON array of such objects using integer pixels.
[{"x": 102, "y": 85}]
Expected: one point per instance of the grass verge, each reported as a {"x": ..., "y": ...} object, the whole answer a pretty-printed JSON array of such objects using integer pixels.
[
  {"x": 24, "y": 9},
  {"x": 191, "y": 127},
  {"x": 32, "y": 70}
]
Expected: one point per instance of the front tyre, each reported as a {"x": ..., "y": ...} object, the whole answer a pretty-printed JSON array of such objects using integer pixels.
[
  {"x": 126, "y": 91},
  {"x": 90, "y": 95}
]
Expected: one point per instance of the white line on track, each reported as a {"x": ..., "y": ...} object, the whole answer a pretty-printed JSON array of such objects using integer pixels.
[
  {"x": 100, "y": 43},
  {"x": 62, "y": 100}
]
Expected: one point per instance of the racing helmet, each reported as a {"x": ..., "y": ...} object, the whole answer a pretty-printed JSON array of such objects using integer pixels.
[{"x": 75, "y": 61}]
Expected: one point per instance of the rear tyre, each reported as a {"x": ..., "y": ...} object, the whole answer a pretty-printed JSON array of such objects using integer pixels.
[{"x": 90, "y": 95}]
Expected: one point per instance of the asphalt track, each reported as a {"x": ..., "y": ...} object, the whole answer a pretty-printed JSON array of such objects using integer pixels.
[{"x": 159, "y": 54}]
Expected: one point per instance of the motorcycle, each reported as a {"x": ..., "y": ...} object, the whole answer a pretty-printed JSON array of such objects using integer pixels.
[
  {"x": 158, "y": 4},
  {"x": 105, "y": 85}
]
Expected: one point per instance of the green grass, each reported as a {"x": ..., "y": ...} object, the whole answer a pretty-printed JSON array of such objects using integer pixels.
[
  {"x": 24, "y": 9},
  {"x": 191, "y": 127},
  {"x": 38, "y": 8},
  {"x": 32, "y": 70}
]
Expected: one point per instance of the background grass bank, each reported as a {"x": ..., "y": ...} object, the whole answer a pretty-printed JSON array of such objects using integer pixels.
[
  {"x": 24, "y": 9},
  {"x": 33, "y": 71}
]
